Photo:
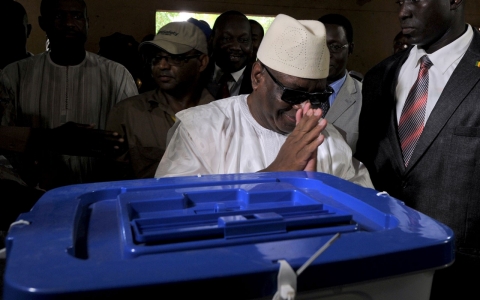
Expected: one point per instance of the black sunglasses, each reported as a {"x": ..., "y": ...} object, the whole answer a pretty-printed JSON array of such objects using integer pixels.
[{"x": 295, "y": 97}]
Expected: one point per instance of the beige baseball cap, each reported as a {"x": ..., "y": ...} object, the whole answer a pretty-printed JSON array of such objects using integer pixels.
[
  {"x": 179, "y": 38},
  {"x": 296, "y": 47}
]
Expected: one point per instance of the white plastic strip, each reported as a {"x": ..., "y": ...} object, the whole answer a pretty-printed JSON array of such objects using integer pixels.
[
  {"x": 317, "y": 254},
  {"x": 3, "y": 252}
]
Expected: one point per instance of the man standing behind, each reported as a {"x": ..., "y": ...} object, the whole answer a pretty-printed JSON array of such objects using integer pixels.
[
  {"x": 178, "y": 56},
  {"x": 257, "y": 37},
  {"x": 62, "y": 85},
  {"x": 420, "y": 130},
  {"x": 232, "y": 48},
  {"x": 344, "y": 105}
]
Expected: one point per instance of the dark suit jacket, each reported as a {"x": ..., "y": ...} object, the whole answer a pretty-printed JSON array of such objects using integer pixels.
[
  {"x": 443, "y": 176},
  {"x": 245, "y": 88}
]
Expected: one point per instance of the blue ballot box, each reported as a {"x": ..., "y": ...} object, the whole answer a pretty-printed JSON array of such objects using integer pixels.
[{"x": 222, "y": 237}]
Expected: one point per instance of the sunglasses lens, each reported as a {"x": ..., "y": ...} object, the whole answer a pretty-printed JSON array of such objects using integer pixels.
[{"x": 294, "y": 97}]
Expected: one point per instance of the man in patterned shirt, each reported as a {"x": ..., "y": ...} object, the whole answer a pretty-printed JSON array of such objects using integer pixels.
[{"x": 65, "y": 84}]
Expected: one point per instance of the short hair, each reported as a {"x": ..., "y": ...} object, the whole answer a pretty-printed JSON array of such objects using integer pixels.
[
  {"x": 339, "y": 20},
  {"x": 255, "y": 22},
  {"x": 14, "y": 10},
  {"x": 221, "y": 18},
  {"x": 46, "y": 6}
]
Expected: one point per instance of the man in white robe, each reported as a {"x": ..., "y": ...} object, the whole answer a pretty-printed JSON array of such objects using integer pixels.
[
  {"x": 276, "y": 127},
  {"x": 65, "y": 84}
]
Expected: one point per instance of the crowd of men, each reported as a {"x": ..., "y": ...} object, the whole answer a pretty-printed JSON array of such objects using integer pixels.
[{"x": 234, "y": 99}]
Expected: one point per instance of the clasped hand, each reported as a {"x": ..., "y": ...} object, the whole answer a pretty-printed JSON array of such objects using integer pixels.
[{"x": 299, "y": 152}]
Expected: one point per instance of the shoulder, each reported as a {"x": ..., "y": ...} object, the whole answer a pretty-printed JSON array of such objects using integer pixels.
[
  {"x": 21, "y": 66},
  {"x": 205, "y": 97},
  {"x": 358, "y": 84},
  {"x": 222, "y": 106},
  {"x": 352, "y": 85},
  {"x": 111, "y": 73},
  {"x": 387, "y": 64},
  {"x": 214, "y": 114},
  {"x": 96, "y": 60},
  {"x": 135, "y": 102}
]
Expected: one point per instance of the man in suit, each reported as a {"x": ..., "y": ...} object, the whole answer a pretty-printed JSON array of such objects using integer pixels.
[
  {"x": 257, "y": 37},
  {"x": 346, "y": 101},
  {"x": 232, "y": 47},
  {"x": 420, "y": 130}
]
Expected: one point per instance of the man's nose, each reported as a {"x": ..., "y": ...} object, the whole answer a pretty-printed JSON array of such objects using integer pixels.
[
  {"x": 235, "y": 45},
  {"x": 163, "y": 63},
  {"x": 404, "y": 10},
  {"x": 69, "y": 20}
]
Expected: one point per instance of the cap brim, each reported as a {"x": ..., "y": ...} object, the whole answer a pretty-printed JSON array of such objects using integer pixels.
[{"x": 172, "y": 48}]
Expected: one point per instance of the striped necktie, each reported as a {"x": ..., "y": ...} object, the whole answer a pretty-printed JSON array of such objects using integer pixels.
[
  {"x": 224, "y": 91},
  {"x": 412, "y": 118}
]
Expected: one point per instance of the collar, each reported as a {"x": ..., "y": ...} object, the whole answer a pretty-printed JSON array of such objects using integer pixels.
[
  {"x": 444, "y": 57},
  {"x": 236, "y": 75},
  {"x": 337, "y": 85}
]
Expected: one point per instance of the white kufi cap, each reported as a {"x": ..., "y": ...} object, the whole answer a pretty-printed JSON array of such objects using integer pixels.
[{"x": 296, "y": 48}]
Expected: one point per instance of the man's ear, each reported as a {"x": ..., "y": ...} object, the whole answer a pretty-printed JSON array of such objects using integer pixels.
[
  {"x": 258, "y": 74},
  {"x": 204, "y": 60},
  {"x": 350, "y": 48}
]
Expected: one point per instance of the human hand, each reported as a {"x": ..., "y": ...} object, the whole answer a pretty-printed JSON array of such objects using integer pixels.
[
  {"x": 312, "y": 162},
  {"x": 83, "y": 140},
  {"x": 299, "y": 152}
]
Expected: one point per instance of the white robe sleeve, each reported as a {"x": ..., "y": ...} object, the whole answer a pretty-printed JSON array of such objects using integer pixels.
[
  {"x": 335, "y": 157},
  {"x": 181, "y": 157}
]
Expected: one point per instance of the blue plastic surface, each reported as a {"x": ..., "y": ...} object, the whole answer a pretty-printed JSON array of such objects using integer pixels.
[{"x": 195, "y": 236}]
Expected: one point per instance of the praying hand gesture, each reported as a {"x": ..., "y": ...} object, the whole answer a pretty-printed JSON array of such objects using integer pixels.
[{"x": 299, "y": 152}]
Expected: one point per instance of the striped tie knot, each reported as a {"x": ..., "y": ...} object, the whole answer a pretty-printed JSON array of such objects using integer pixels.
[
  {"x": 425, "y": 62},
  {"x": 412, "y": 118}
]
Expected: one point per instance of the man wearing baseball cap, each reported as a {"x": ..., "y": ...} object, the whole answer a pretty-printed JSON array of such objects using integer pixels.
[
  {"x": 178, "y": 56},
  {"x": 277, "y": 127}
]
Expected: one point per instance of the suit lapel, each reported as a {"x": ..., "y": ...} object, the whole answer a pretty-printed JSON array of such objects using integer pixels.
[
  {"x": 463, "y": 79},
  {"x": 344, "y": 99},
  {"x": 391, "y": 77}
]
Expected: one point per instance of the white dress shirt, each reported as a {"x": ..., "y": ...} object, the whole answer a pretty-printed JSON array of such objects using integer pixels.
[{"x": 444, "y": 60}]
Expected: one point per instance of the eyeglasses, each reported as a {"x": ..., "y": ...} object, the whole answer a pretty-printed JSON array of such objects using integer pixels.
[
  {"x": 295, "y": 97},
  {"x": 335, "y": 48},
  {"x": 173, "y": 60}
]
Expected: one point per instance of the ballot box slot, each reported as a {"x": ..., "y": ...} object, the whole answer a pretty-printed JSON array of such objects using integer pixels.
[{"x": 235, "y": 225}]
